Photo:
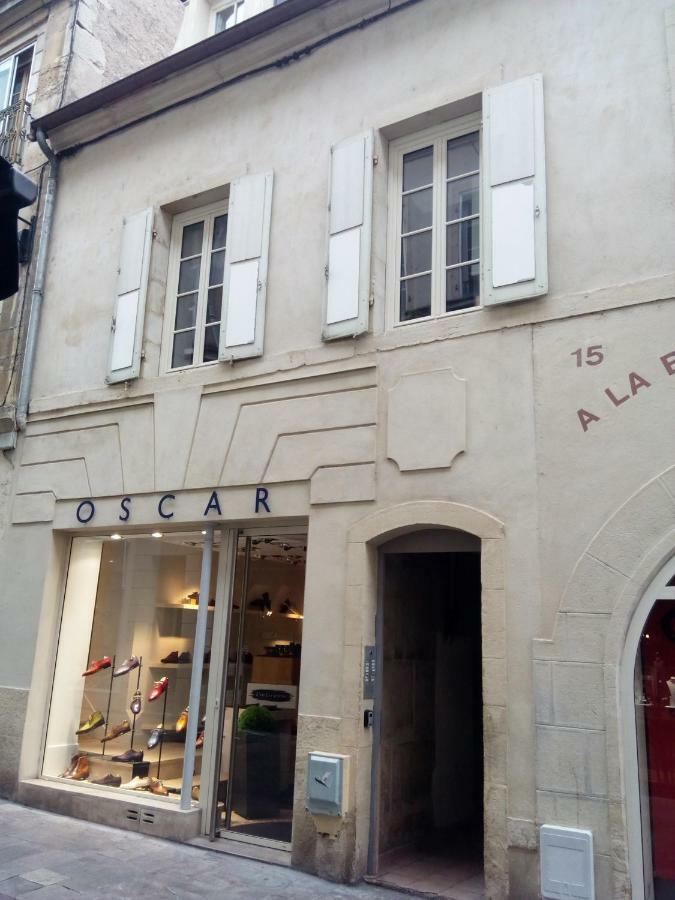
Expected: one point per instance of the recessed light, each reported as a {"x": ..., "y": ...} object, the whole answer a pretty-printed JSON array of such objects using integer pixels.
[
  {"x": 115, "y": 537},
  {"x": 157, "y": 534},
  {"x": 203, "y": 532}
]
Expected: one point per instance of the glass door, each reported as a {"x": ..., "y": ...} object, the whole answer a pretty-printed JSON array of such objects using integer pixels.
[{"x": 254, "y": 787}]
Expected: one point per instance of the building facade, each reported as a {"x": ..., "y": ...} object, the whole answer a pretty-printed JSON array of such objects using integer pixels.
[{"x": 347, "y": 478}]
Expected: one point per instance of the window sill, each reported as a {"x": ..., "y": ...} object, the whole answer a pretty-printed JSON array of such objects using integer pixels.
[{"x": 425, "y": 320}]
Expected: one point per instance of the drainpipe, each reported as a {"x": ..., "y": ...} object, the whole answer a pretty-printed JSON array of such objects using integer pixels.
[{"x": 35, "y": 309}]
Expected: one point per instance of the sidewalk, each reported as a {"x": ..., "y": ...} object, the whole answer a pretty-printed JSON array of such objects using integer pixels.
[{"x": 50, "y": 857}]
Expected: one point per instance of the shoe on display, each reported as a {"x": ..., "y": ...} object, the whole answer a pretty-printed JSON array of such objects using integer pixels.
[
  {"x": 71, "y": 768},
  {"x": 117, "y": 730},
  {"x": 194, "y": 596},
  {"x": 129, "y": 756},
  {"x": 137, "y": 784},
  {"x": 156, "y": 787},
  {"x": 104, "y": 663},
  {"x": 135, "y": 705},
  {"x": 108, "y": 780},
  {"x": 158, "y": 688},
  {"x": 171, "y": 658},
  {"x": 185, "y": 657},
  {"x": 132, "y": 663},
  {"x": 156, "y": 736},
  {"x": 181, "y": 722},
  {"x": 81, "y": 770},
  {"x": 95, "y": 720},
  {"x": 200, "y": 740}
]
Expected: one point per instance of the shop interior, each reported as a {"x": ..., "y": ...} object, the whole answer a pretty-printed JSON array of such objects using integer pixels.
[{"x": 431, "y": 741}]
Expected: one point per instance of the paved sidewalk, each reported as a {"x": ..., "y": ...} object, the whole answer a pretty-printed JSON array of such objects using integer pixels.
[{"x": 50, "y": 857}]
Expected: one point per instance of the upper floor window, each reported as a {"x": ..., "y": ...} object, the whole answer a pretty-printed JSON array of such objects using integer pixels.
[
  {"x": 197, "y": 265},
  {"x": 14, "y": 77},
  {"x": 436, "y": 202},
  {"x": 227, "y": 13}
]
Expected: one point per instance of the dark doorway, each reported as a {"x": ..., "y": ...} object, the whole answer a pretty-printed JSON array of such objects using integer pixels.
[{"x": 430, "y": 817}]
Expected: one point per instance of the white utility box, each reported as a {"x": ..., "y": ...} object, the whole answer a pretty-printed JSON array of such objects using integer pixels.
[
  {"x": 325, "y": 784},
  {"x": 566, "y": 856}
]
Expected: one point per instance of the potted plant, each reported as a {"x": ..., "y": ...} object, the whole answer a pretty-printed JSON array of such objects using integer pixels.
[{"x": 255, "y": 788}]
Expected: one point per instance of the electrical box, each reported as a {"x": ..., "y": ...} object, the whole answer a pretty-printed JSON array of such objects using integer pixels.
[
  {"x": 325, "y": 780},
  {"x": 566, "y": 863}
]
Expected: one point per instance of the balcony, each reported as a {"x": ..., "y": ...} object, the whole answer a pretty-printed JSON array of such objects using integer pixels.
[{"x": 14, "y": 124}]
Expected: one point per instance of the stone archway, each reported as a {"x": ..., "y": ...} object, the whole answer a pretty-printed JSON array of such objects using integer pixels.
[
  {"x": 364, "y": 538},
  {"x": 580, "y": 745}
]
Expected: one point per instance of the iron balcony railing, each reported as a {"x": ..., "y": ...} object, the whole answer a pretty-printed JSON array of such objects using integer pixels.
[{"x": 14, "y": 125}]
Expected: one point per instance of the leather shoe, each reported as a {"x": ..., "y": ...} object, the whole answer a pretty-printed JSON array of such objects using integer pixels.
[
  {"x": 171, "y": 658},
  {"x": 156, "y": 787},
  {"x": 71, "y": 767},
  {"x": 103, "y": 663},
  {"x": 81, "y": 770},
  {"x": 181, "y": 723},
  {"x": 135, "y": 704},
  {"x": 132, "y": 663},
  {"x": 156, "y": 736},
  {"x": 185, "y": 657},
  {"x": 108, "y": 780},
  {"x": 137, "y": 784},
  {"x": 95, "y": 720},
  {"x": 158, "y": 688},
  {"x": 117, "y": 730},
  {"x": 200, "y": 740},
  {"x": 129, "y": 756}
]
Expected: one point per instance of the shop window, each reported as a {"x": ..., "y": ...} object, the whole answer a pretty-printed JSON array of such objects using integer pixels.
[
  {"x": 655, "y": 722},
  {"x": 198, "y": 247},
  {"x": 119, "y": 708},
  {"x": 436, "y": 208}
]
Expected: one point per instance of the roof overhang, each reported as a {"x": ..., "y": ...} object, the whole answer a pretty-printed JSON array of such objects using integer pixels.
[{"x": 274, "y": 38}]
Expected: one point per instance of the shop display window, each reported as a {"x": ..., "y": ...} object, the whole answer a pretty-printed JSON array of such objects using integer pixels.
[
  {"x": 119, "y": 707},
  {"x": 655, "y": 720}
]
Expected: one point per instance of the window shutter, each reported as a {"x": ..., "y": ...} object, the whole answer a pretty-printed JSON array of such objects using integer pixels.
[
  {"x": 245, "y": 279},
  {"x": 349, "y": 234},
  {"x": 132, "y": 284},
  {"x": 514, "y": 192}
]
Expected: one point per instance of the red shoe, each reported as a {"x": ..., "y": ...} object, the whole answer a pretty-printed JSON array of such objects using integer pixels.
[
  {"x": 158, "y": 688},
  {"x": 94, "y": 667}
]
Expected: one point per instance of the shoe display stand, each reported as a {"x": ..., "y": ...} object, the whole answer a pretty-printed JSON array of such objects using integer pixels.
[
  {"x": 161, "y": 740},
  {"x": 107, "y": 712},
  {"x": 135, "y": 715}
]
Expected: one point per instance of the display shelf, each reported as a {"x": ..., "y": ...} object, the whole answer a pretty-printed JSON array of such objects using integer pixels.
[
  {"x": 186, "y": 666},
  {"x": 181, "y": 607}
]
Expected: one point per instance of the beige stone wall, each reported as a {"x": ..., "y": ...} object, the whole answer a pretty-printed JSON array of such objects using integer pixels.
[{"x": 469, "y": 423}]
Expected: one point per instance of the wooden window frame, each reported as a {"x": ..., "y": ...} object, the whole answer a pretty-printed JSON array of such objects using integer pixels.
[
  {"x": 437, "y": 136},
  {"x": 206, "y": 214}
]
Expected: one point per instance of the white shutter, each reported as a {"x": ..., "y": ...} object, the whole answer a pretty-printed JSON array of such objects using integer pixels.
[
  {"x": 245, "y": 279},
  {"x": 349, "y": 236},
  {"x": 514, "y": 192},
  {"x": 126, "y": 336}
]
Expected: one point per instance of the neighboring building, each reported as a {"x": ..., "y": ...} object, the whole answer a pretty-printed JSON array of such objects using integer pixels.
[{"x": 353, "y": 399}]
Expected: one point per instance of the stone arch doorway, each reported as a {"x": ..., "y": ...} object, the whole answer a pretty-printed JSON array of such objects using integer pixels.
[
  {"x": 648, "y": 703},
  {"x": 483, "y": 534}
]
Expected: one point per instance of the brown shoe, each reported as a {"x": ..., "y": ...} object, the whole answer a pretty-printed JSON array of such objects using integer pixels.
[
  {"x": 71, "y": 768},
  {"x": 81, "y": 770},
  {"x": 156, "y": 787},
  {"x": 123, "y": 728}
]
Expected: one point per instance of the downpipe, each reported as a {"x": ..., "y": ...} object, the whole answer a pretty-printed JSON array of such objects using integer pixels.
[{"x": 35, "y": 310}]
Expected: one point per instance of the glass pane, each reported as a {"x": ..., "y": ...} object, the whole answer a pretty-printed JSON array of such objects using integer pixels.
[
  {"x": 462, "y": 198},
  {"x": 417, "y": 210},
  {"x": 462, "y": 287},
  {"x": 416, "y": 253},
  {"x": 654, "y": 686},
  {"x": 219, "y": 232},
  {"x": 225, "y": 19},
  {"x": 415, "y": 297},
  {"x": 463, "y": 155},
  {"x": 217, "y": 267},
  {"x": 211, "y": 336},
  {"x": 418, "y": 168},
  {"x": 188, "y": 279},
  {"x": 192, "y": 240},
  {"x": 186, "y": 311},
  {"x": 183, "y": 348},
  {"x": 123, "y": 672},
  {"x": 213, "y": 304},
  {"x": 463, "y": 242}
]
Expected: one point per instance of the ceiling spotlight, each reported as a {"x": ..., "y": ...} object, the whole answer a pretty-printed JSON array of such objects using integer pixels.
[
  {"x": 157, "y": 534},
  {"x": 116, "y": 537},
  {"x": 203, "y": 532}
]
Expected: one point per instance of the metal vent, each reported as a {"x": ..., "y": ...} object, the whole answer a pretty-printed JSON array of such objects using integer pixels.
[
  {"x": 148, "y": 818},
  {"x": 132, "y": 814}
]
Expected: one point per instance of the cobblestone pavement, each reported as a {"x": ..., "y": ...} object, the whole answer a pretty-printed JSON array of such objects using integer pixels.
[{"x": 51, "y": 857}]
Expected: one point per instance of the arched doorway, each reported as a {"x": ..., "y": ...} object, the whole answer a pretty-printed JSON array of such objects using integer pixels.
[
  {"x": 427, "y": 812},
  {"x": 648, "y": 698}
]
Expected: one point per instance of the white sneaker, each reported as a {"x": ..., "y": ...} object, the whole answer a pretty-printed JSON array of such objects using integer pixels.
[{"x": 137, "y": 784}]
